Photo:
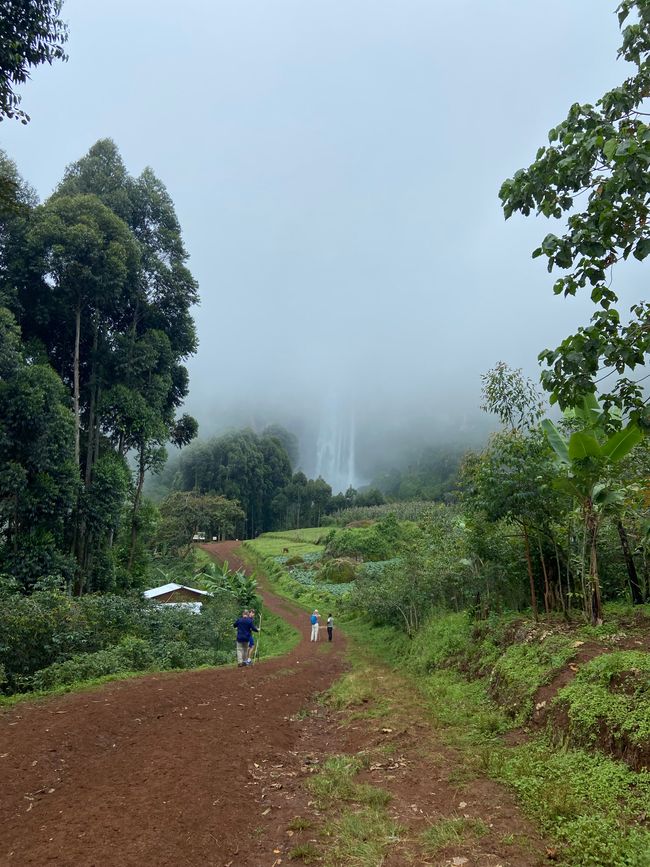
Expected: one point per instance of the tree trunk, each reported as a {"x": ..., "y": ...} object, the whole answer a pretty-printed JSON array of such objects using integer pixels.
[
  {"x": 531, "y": 577},
  {"x": 547, "y": 589},
  {"x": 75, "y": 374},
  {"x": 563, "y": 602},
  {"x": 93, "y": 404},
  {"x": 596, "y": 606},
  {"x": 136, "y": 506},
  {"x": 635, "y": 587}
]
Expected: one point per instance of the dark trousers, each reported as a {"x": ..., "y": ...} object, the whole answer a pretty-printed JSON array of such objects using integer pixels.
[{"x": 330, "y": 630}]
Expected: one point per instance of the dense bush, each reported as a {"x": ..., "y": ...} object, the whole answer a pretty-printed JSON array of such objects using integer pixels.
[
  {"x": 131, "y": 654},
  {"x": 50, "y": 628},
  {"x": 338, "y": 571},
  {"x": 381, "y": 541}
]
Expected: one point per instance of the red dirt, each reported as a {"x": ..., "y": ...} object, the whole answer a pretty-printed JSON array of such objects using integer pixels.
[
  {"x": 209, "y": 768},
  {"x": 157, "y": 770}
]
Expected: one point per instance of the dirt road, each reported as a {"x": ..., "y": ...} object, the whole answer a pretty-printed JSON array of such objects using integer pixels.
[{"x": 170, "y": 769}]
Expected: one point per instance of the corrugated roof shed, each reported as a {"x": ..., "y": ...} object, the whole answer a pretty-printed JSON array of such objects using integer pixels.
[{"x": 170, "y": 588}]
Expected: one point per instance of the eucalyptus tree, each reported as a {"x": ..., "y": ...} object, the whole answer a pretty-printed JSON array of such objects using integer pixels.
[
  {"x": 149, "y": 378},
  {"x": 602, "y": 152},
  {"x": 88, "y": 259}
]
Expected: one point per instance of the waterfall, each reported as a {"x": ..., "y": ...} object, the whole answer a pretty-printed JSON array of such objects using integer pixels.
[{"x": 335, "y": 447}]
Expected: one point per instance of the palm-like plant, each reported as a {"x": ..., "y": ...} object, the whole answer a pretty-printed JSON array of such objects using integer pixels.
[{"x": 586, "y": 458}]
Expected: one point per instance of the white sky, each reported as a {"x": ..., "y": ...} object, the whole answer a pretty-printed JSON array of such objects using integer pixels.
[{"x": 335, "y": 166}]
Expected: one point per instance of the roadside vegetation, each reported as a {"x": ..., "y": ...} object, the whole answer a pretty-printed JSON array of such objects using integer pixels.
[{"x": 578, "y": 763}]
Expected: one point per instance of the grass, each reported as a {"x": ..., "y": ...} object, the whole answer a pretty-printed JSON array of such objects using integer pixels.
[
  {"x": 311, "y": 535},
  {"x": 523, "y": 668},
  {"x": 306, "y": 852},
  {"x": 444, "y": 832},
  {"x": 589, "y": 802},
  {"x": 335, "y": 783},
  {"x": 359, "y": 833},
  {"x": 277, "y": 636},
  {"x": 592, "y": 805},
  {"x": 299, "y": 823},
  {"x": 360, "y": 838},
  {"x": 610, "y": 692}
]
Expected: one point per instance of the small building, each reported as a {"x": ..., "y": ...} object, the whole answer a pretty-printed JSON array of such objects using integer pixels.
[{"x": 175, "y": 593}]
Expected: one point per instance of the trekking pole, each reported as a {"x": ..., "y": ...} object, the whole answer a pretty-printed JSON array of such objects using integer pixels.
[{"x": 257, "y": 643}]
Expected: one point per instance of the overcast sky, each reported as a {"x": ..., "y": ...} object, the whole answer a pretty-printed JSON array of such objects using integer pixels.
[{"x": 335, "y": 166}]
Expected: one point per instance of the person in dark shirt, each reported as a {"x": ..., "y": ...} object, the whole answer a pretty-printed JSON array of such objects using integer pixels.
[{"x": 245, "y": 627}]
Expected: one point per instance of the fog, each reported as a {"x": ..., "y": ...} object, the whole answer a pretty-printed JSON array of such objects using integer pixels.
[{"x": 335, "y": 166}]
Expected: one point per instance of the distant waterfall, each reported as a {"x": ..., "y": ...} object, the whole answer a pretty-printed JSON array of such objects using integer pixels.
[{"x": 335, "y": 448}]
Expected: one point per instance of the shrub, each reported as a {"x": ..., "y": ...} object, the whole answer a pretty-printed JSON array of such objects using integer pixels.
[{"x": 338, "y": 571}]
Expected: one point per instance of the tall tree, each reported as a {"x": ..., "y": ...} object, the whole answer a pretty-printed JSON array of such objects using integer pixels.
[{"x": 38, "y": 476}]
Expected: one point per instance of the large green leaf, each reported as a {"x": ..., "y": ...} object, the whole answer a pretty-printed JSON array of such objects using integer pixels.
[
  {"x": 592, "y": 409},
  {"x": 583, "y": 445},
  {"x": 603, "y": 496},
  {"x": 556, "y": 440},
  {"x": 621, "y": 443},
  {"x": 567, "y": 486}
]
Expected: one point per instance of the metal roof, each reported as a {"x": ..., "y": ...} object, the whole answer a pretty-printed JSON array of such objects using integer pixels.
[{"x": 171, "y": 588}]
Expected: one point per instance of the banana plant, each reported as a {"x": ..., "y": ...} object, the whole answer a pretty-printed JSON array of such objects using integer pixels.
[
  {"x": 220, "y": 577},
  {"x": 586, "y": 458}
]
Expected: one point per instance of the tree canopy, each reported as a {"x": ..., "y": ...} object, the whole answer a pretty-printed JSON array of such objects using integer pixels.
[
  {"x": 31, "y": 33},
  {"x": 601, "y": 152}
]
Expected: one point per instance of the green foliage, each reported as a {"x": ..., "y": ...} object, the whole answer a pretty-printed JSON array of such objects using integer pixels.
[
  {"x": 589, "y": 802},
  {"x": 50, "y": 628},
  {"x": 512, "y": 397},
  {"x": 410, "y": 510},
  {"x": 608, "y": 703},
  {"x": 523, "y": 668},
  {"x": 241, "y": 466},
  {"x": 215, "y": 578},
  {"x": 338, "y": 571},
  {"x": 35, "y": 34},
  {"x": 185, "y": 513},
  {"x": 601, "y": 149},
  {"x": 381, "y": 541}
]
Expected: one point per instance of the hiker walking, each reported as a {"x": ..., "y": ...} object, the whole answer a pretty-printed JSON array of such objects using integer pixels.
[
  {"x": 330, "y": 627},
  {"x": 245, "y": 627},
  {"x": 251, "y": 640},
  {"x": 314, "y": 624}
]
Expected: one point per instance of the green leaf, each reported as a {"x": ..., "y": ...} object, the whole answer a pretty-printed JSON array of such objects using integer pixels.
[
  {"x": 556, "y": 440},
  {"x": 591, "y": 408},
  {"x": 609, "y": 148},
  {"x": 642, "y": 249},
  {"x": 567, "y": 486},
  {"x": 583, "y": 445},
  {"x": 622, "y": 443}
]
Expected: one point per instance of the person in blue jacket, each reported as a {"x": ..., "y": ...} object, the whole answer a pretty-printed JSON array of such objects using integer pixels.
[
  {"x": 251, "y": 640},
  {"x": 245, "y": 627}
]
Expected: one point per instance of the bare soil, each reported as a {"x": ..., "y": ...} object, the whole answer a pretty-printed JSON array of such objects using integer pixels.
[{"x": 209, "y": 768}]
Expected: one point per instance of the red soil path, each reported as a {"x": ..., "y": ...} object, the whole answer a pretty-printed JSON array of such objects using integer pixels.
[{"x": 163, "y": 769}]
